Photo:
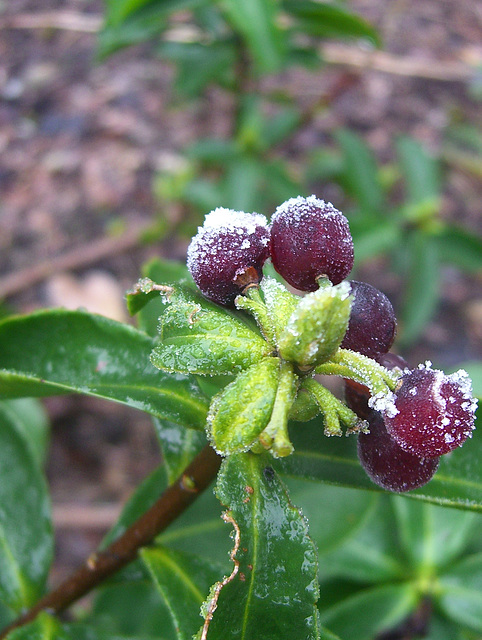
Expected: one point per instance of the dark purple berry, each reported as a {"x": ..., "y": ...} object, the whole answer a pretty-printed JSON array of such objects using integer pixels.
[
  {"x": 309, "y": 239},
  {"x": 228, "y": 253},
  {"x": 387, "y": 464},
  {"x": 357, "y": 395},
  {"x": 430, "y": 413},
  {"x": 372, "y": 326}
]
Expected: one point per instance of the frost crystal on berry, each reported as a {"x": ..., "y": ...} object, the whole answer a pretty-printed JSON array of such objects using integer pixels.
[
  {"x": 430, "y": 413},
  {"x": 310, "y": 239},
  {"x": 228, "y": 253}
]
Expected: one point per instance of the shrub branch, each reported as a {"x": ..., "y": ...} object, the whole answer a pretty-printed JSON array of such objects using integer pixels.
[{"x": 100, "y": 565}]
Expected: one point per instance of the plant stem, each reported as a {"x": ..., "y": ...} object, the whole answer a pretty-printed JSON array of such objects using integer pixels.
[{"x": 196, "y": 477}]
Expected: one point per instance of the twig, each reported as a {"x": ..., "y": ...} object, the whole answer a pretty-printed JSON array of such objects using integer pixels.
[
  {"x": 382, "y": 61},
  {"x": 78, "y": 257},
  {"x": 99, "y": 566},
  {"x": 65, "y": 20},
  {"x": 350, "y": 56}
]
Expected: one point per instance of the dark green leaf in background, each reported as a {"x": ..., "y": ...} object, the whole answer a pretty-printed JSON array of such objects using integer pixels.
[
  {"x": 26, "y": 542},
  {"x": 327, "y": 20},
  {"x": 368, "y": 612},
  {"x": 461, "y": 592},
  {"x": 256, "y": 21},
  {"x": 29, "y": 418},
  {"x": 420, "y": 170},
  {"x": 57, "y": 351},
  {"x": 422, "y": 286},
  {"x": 460, "y": 247},
  {"x": 360, "y": 172},
  {"x": 274, "y": 591},
  {"x": 44, "y": 627},
  {"x": 183, "y": 580}
]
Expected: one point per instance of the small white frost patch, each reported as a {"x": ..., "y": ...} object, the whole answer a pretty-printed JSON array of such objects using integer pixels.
[
  {"x": 295, "y": 208},
  {"x": 384, "y": 402},
  {"x": 230, "y": 220}
]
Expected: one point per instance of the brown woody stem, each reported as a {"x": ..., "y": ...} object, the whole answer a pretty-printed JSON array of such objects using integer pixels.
[{"x": 99, "y": 566}]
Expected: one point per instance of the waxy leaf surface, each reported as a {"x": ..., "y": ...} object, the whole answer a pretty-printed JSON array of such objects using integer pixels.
[
  {"x": 273, "y": 594},
  {"x": 26, "y": 542},
  {"x": 198, "y": 337},
  {"x": 52, "y": 352},
  {"x": 183, "y": 580},
  {"x": 242, "y": 410}
]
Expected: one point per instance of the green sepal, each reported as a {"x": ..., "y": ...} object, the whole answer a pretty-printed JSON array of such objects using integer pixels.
[
  {"x": 305, "y": 407},
  {"x": 334, "y": 412},
  {"x": 240, "y": 412},
  {"x": 280, "y": 303},
  {"x": 199, "y": 337},
  {"x": 253, "y": 304},
  {"x": 275, "y": 437},
  {"x": 317, "y": 326}
]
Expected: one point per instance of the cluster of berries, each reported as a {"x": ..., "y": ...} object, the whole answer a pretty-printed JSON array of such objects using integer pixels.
[{"x": 309, "y": 242}]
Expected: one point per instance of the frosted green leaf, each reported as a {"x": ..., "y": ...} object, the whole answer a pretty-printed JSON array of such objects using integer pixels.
[
  {"x": 240, "y": 412},
  {"x": 204, "y": 339}
]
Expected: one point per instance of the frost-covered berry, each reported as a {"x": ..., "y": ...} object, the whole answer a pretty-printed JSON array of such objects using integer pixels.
[
  {"x": 228, "y": 253},
  {"x": 430, "y": 413},
  {"x": 387, "y": 464},
  {"x": 309, "y": 239},
  {"x": 372, "y": 326}
]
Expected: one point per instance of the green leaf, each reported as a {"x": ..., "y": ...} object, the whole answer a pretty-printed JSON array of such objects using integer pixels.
[
  {"x": 371, "y": 555},
  {"x": 44, "y": 627},
  {"x": 200, "y": 64},
  {"x": 368, "y": 612},
  {"x": 240, "y": 412},
  {"x": 243, "y": 179},
  {"x": 422, "y": 289},
  {"x": 457, "y": 483},
  {"x": 130, "y": 610},
  {"x": 30, "y": 420},
  {"x": 333, "y": 513},
  {"x": 280, "y": 303},
  {"x": 26, "y": 542},
  {"x": 432, "y": 536},
  {"x": 273, "y": 589},
  {"x": 179, "y": 446},
  {"x": 169, "y": 272},
  {"x": 280, "y": 126},
  {"x": 183, "y": 580},
  {"x": 329, "y": 20},
  {"x": 461, "y": 247},
  {"x": 53, "y": 352},
  {"x": 420, "y": 170},
  {"x": 461, "y": 592},
  {"x": 360, "y": 173},
  {"x": 373, "y": 237},
  {"x": 317, "y": 326},
  {"x": 256, "y": 21},
  {"x": 199, "y": 337}
]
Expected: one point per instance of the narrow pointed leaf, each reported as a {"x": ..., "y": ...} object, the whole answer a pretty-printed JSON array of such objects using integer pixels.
[
  {"x": 458, "y": 481},
  {"x": 26, "y": 542},
  {"x": 370, "y": 611},
  {"x": 432, "y": 536},
  {"x": 183, "y": 580},
  {"x": 53, "y": 352},
  {"x": 273, "y": 592},
  {"x": 205, "y": 339},
  {"x": 461, "y": 247},
  {"x": 461, "y": 592},
  {"x": 240, "y": 412},
  {"x": 256, "y": 21}
]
